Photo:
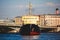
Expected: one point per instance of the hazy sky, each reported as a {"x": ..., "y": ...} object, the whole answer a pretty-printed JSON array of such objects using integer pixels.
[{"x": 13, "y": 8}]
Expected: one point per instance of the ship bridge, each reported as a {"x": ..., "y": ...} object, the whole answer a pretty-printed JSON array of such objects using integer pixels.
[{"x": 30, "y": 19}]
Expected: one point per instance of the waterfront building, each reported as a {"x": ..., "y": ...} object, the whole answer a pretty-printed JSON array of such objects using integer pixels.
[
  {"x": 52, "y": 20},
  {"x": 42, "y": 20},
  {"x": 49, "y": 20}
]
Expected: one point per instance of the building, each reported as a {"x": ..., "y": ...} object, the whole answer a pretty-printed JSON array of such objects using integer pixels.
[
  {"x": 41, "y": 20},
  {"x": 18, "y": 20},
  {"x": 50, "y": 20}
]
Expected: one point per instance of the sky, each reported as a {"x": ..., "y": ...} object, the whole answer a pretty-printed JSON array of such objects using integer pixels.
[{"x": 13, "y": 8}]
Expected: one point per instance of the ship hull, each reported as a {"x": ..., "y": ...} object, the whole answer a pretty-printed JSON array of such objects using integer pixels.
[{"x": 30, "y": 29}]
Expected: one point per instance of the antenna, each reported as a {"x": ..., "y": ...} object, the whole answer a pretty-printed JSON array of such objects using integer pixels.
[{"x": 30, "y": 8}]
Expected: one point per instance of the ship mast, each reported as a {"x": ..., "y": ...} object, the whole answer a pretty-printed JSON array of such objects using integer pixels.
[{"x": 30, "y": 8}]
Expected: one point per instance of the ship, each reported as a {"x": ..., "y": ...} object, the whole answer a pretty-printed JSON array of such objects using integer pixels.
[{"x": 30, "y": 26}]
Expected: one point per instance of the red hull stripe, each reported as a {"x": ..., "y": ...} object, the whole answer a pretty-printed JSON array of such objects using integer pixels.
[{"x": 34, "y": 33}]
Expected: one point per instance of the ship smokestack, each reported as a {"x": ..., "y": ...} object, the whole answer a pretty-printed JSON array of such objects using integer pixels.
[{"x": 57, "y": 11}]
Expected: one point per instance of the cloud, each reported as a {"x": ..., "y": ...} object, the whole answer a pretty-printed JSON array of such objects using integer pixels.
[
  {"x": 20, "y": 6},
  {"x": 44, "y": 5},
  {"x": 57, "y": 4},
  {"x": 50, "y": 4},
  {"x": 17, "y": 6},
  {"x": 47, "y": 4}
]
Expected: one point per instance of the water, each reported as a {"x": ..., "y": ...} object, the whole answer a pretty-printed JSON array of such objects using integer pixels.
[{"x": 42, "y": 36}]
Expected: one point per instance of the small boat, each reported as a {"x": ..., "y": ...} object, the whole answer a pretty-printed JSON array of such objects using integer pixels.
[{"x": 30, "y": 29}]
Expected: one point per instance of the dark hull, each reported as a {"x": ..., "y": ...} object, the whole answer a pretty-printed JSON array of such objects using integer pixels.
[{"x": 27, "y": 30}]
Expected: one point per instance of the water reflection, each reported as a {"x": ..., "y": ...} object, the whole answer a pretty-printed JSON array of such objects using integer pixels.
[{"x": 30, "y": 37}]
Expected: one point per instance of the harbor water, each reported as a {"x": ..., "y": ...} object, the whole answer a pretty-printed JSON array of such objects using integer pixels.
[{"x": 42, "y": 36}]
